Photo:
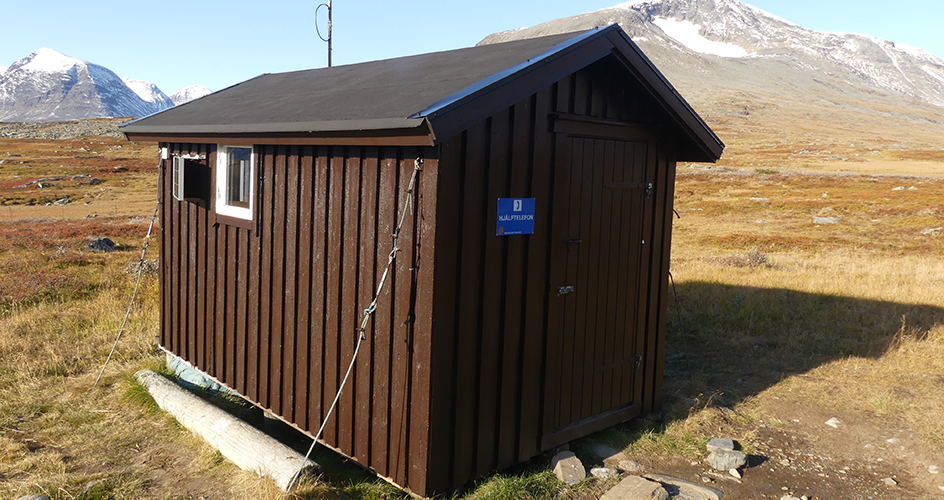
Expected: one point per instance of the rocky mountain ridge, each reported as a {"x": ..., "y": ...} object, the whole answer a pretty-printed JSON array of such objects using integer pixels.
[
  {"x": 738, "y": 64},
  {"x": 148, "y": 92},
  {"x": 867, "y": 60},
  {"x": 50, "y": 86},
  {"x": 190, "y": 93}
]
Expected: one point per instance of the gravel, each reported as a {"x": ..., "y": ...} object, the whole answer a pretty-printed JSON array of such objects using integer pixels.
[{"x": 63, "y": 130}]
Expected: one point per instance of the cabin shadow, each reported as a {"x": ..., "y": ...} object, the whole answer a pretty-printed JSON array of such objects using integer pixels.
[
  {"x": 731, "y": 342},
  {"x": 726, "y": 343}
]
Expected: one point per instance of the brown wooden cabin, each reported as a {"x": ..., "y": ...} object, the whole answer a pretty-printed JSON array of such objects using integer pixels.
[{"x": 279, "y": 198}]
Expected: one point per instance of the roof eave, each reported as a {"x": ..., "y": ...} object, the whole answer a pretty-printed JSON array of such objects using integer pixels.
[{"x": 395, "y": 132}]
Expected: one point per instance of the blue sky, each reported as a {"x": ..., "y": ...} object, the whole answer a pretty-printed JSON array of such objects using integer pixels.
[{"x": 178, "y": 43}]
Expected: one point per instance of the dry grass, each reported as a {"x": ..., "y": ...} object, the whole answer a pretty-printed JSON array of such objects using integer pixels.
[
  {"x": 60, "y": 309},
  {"x": 64, "y": 438},
  {"x": 846, "y": 316},
  {"x": 123, "y": 176}
]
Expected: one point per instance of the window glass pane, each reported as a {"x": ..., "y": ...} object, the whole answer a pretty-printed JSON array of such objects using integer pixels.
[{"x": 238, "y": 181}]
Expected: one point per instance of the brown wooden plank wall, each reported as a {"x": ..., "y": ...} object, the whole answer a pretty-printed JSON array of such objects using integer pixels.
[
  {"x": 491, "y": 309},
  {"x": 273, "y": 312}
]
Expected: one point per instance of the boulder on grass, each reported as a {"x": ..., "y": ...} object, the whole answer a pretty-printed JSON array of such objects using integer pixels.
[
  {"x": 568, "y": 468},
  {"x": 100, "y": 245}
]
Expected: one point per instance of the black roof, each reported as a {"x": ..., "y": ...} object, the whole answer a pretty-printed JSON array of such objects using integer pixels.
[{"x": 436, "y": 94}]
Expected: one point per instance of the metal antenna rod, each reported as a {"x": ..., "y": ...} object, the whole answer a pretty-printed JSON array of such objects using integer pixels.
[
  {"x": 329, "y": 33},
  {"x": 328, "y": 6}
]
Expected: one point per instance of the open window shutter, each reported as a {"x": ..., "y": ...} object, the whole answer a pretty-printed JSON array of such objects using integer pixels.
[{"x": 178, "y": 175}]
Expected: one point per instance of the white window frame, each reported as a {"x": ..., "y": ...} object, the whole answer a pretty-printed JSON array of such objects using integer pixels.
[
  {"x": 222, "y": 208},
  {"x": 178, "y": 178}
]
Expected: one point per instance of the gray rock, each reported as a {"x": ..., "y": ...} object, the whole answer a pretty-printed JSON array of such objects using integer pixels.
[
  {"x": 636, "y": 488},
  {"x": 100, "y": 245},
  {"x": 568, "y": 468},
  {"x": 720, "y": 444},
  {"x": 890, "y": 482},
  {"x": 602, "y": 472},
  {"x": 604, "y": 452},
  {"x": 681, "y": 489},
  {"x": 630, "y": 466},
  {"x": 727, "y": 459},
  {"x": 834, "y": 422},
  {"x": 825, "y": 220}
]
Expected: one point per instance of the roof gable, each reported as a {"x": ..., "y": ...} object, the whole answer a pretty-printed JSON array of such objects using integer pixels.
[{"x": 434, "y": 95}]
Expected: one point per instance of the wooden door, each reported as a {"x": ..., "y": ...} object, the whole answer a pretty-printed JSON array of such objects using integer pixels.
[{"x": 594, "y": 349}]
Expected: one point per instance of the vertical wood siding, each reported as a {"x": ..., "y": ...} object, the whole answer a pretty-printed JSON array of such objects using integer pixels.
[
  {"x": 273, "y": 312},
  {"x": 493, "y": 316}
]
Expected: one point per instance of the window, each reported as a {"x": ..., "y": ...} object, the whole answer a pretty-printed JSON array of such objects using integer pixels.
[
  {"x": 235, "y": 186},
  {"x": 191, "y": 179}
]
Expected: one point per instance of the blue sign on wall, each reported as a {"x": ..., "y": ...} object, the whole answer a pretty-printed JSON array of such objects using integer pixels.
[{"x": 515, "y": 216}]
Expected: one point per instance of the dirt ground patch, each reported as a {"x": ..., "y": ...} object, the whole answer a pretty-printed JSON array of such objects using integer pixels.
[
  {"x": 162, "y": 466},
  {"x": 793, "y": 451}
]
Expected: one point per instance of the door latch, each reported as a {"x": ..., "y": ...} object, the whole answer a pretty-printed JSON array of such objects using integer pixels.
[
  {"x": 638, "y": 361},
  {"x": 565, "y": 290}
]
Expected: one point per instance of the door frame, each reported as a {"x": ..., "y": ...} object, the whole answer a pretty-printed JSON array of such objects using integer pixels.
[{"x": 566, "y": 127}]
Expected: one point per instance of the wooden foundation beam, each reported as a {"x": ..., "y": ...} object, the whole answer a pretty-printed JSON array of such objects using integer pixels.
[{"x": 244, "y": 445}]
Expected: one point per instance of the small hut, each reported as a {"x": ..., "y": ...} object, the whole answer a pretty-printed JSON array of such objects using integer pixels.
[{"x": 527, "y": 305}]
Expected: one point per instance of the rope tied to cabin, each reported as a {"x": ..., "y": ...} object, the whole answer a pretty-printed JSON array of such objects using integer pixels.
[
  {"x": 368, "y": 311},
  {"x": 137, "y": 284}
]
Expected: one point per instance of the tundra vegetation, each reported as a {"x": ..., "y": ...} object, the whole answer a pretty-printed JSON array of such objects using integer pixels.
[{"x": 777, "y": 322}]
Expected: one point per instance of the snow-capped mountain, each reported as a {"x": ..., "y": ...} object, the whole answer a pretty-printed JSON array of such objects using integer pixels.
[
  {"x": 729, "y": 43},
  {"x": 50, "y": 86},
  {"x": 148, "y": 92},
  {"x": 188, "y": 94},
  {"x": 47, "y": 85}
]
